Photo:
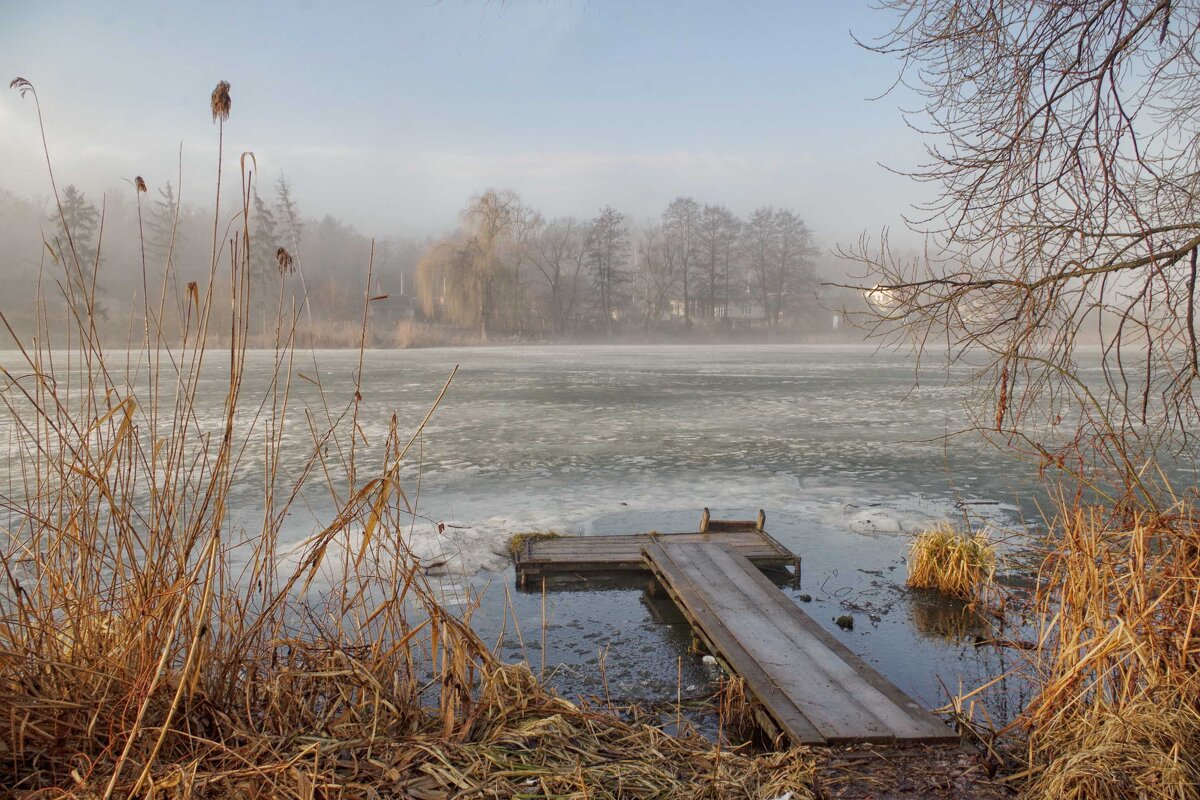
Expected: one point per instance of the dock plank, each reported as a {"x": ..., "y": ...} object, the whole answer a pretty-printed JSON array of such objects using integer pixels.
[
  {"x": 866, "y": 702},
  {"x": 796, "y": 667},
  {"x": 782, "y": 710},
  {"x": 925, "y": 726},
  {"x": 623, "y": 552},
  {"x": 784, "y": 652}
]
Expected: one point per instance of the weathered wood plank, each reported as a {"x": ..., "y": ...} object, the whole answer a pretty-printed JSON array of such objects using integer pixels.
[
  {"x": 904, "y": 720},
  {"x": 785, "y": 652},
  {"x": 624, "y": 552},
  {"x": 726, "y": 647},
  {"x": 926, "y": 726},
  {"x": 831, "y": 706}
]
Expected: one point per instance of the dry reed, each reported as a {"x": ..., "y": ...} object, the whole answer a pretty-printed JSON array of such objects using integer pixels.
[
  {"x": 518, "y": 540},
  {"x": 956, "y": 564},
  {"x": 1118, "y": 712}
]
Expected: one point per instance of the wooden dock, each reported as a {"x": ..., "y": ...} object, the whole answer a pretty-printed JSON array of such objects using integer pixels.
[
  {"x": 623, "y": 552},
  {"x": 803, "y": 682}
]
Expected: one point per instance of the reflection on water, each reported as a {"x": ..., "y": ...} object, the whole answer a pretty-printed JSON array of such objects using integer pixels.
[{"x": 945, "y": 618}]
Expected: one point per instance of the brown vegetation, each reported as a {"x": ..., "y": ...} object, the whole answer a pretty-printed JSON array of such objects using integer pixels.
[
  {"x": 1118, "y": 712},
  {"x": 957, "y": 564}
]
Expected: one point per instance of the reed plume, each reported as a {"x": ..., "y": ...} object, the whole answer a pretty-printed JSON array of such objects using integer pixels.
[
  {"x": 284, "y": 259},
  {"x": 221, "y": 102}
]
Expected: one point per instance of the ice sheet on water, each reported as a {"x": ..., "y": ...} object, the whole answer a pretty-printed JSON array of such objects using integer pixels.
[{"x": 454, "y": 548}]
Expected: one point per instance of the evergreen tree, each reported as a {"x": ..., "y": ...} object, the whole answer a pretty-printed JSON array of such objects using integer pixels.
[
  {"x": 76, "y": 222},
  {"x": 288, "y": 215},
  {"x": 264, "y": 241},
  {"x": 75, "y": 226},
  {"x": 163, "y": 234}
]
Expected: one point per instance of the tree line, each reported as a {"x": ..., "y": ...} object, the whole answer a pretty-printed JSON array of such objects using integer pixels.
[
  {"x": 113, "y": 235},
  {"x": 509, "y": 270},
  {"x": 506, "y": 271}
]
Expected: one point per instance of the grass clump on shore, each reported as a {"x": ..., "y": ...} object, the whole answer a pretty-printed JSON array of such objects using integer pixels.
[
  {"x": 518, "y": 540},
  {"x": 957, "y": 564}
]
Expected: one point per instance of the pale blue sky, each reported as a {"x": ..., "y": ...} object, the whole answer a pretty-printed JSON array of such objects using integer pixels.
[{"x": 390, "y": 115}]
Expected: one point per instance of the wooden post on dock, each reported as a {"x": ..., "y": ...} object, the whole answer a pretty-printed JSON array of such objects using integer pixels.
[
  {"x": 704, "y": 521},
  {"x": 761, "y": 522}
]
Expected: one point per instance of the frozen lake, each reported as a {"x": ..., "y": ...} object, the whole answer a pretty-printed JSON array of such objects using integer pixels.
[
  {"x": 846, "y": 456},
  {"x": 835, "y": 443}
]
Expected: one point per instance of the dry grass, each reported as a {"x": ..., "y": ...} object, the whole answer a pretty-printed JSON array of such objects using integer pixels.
[
  {"x": 412, "y": 334},
  {"x": 153, "y": 645},
  {"x": 1137, "y": 749},
  {"x": 1118, "y": 713},
  {"x": 734, "y": 709},
  {"x": 519, "y": 540},
  {"x": 956, "y": 564}
]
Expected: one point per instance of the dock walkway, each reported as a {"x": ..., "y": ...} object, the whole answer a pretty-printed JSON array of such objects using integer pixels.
[
  {"x": 623, "y": 552},
  {"x": 803, "y": 682}
]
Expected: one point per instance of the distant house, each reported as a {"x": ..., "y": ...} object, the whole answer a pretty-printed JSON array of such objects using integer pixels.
[
  {"x": 393, "y": 306},
  {"x": 745, "y": 310},
  {"x": 883, "y": 299},
  {"x": 741, "y": 311}
]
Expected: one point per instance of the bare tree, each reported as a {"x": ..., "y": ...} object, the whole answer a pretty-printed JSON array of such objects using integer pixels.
[
  {"x": 681, "y": 242},
  {"x": 1067, "y": 161},
  {"x": 792, "y": 281},
  {"x": 718, "y": 233},
  {"x": 607, "y": 252},
  {"x": 654, "y": 276},
  {"x": 558, "y": 253},
  {"x": 779, "y": 250}
]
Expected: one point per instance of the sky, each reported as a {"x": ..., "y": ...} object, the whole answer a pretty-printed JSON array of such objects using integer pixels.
[{"x": 390, "y": 115}]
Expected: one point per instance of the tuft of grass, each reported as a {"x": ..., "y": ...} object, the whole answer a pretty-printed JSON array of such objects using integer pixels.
[
  {"x": 956, "y": 564},
  {"x": 518, "y": 540}
]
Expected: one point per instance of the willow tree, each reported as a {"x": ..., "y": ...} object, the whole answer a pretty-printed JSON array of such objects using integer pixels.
[
  {"x": 445, "y": 286},
  {"x": 1065, "y": 155},
  {"x": 493, "y": 222}
]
